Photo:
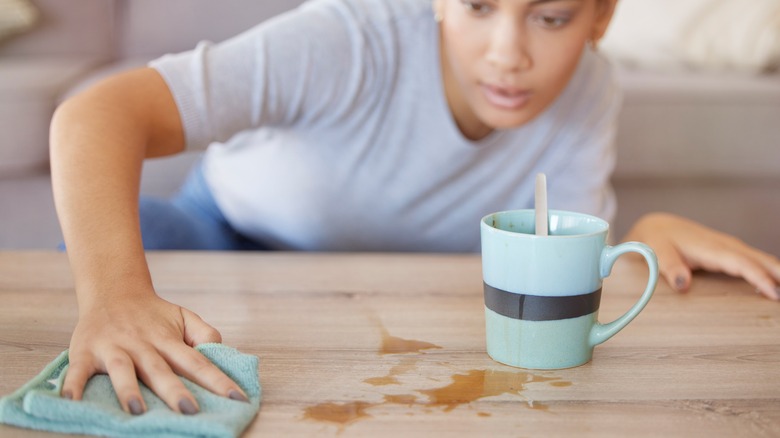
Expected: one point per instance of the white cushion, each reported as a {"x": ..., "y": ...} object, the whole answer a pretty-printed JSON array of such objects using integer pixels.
[{"x": 696, "y": 34}]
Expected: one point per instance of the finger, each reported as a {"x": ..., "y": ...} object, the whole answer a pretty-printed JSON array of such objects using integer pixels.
[
  {"x": 196, "y": 367},
  {"x": 155, "y": 372},
  {"x": 768, "y": 261},
  {"x": 673, "y": 267},
  {"x": 772, "y": 294},
  {"x": 121, "y": 371},
  {"x": 740, "y": 264},
  {"x": 197, "y": 331},
  {"x": 755, "y": 274},
  {"x": 79, "y": 371},
  {"x": 199, "y": 369}
]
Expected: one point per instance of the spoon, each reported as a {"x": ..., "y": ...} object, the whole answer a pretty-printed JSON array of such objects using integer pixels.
[{"x": 540, "y": 205}]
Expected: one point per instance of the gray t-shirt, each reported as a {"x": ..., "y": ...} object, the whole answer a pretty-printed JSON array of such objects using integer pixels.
[{"x": 328, "y": 129}]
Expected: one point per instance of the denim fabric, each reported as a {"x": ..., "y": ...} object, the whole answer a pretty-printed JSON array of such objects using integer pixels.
[{"x": 191, "y": 220}]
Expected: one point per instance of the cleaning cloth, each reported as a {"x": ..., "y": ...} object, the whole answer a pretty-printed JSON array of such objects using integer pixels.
[{"x": 38, "y": 405}]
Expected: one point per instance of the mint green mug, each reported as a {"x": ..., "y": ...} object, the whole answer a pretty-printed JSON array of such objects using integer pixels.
[{"x": 542, "y": 293}]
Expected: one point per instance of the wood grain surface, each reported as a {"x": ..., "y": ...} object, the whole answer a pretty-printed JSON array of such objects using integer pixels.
[{"x": 394, "y": 345}]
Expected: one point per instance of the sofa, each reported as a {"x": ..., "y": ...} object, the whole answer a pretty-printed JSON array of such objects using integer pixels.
[{"x": 694, "y": 140}]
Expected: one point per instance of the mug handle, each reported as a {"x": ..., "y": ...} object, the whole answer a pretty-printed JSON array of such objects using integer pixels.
[{"x": 601, "y": 332}]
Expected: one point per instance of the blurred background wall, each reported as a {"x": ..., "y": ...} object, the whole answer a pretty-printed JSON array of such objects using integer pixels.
[{"x": 698, "y": 132}]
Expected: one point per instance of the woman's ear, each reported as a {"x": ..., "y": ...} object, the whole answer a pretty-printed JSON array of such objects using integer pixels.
[{"x": 604, "y": 11}]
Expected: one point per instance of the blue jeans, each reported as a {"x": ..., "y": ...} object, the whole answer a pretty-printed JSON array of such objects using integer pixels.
[{"x": 190, "y": 220}]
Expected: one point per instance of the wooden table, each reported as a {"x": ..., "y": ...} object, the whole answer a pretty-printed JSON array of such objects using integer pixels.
[{"x": 393, "y": 345}]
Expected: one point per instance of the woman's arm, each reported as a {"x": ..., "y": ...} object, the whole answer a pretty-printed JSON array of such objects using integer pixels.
[
  {"x": 683, "y": 246},
  {"x": 99, "y": 140}
]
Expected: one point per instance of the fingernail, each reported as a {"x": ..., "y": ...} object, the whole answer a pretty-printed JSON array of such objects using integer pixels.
[
  {"x": 679, "y": 282},
  {"x": 187, "y": 407},
  {"x": 67, "y": 394},
  {"x": 777, "y": 292},
  {"x": 136, "y": 408},
  {"x": 236, "y": 395}
]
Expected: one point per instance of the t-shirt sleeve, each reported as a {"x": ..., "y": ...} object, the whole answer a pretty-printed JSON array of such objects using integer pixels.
[
  {"x": 309, "y": 65},
  {"x": 583, "y": 182}
]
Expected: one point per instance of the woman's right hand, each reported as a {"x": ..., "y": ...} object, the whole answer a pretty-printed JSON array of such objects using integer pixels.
[
  {"x": 147, "y": 339},
  {"x": 99, "y": 139}
]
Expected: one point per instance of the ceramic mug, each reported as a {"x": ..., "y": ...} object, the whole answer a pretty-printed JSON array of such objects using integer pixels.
[{"x": 542, "y": 293}]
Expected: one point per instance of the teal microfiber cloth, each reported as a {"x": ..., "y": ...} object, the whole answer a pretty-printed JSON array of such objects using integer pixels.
[{"x": 38, "y": 405}]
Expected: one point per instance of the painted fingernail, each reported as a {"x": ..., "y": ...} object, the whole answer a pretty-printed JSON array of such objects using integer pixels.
[
  {"x": 135, "y": 406},
  {"x": 236, "y": 395},
  {"x": 67, "y": 394},
  {"x": 187, "y": 407},
  {"x": 679, "y": 282}
]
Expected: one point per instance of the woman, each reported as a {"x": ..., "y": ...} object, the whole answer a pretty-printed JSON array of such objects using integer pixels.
[{"x": 345, "y": 124}]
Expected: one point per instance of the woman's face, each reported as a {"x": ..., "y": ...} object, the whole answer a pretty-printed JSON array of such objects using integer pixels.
[{"x": 505, "y": 61}]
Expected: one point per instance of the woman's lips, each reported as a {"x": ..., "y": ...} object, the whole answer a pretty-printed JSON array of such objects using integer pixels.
[{"x": 505, "y": 97}]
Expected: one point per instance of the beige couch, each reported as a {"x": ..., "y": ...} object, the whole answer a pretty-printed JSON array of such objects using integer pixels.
[{"x": 700, "y": 144}]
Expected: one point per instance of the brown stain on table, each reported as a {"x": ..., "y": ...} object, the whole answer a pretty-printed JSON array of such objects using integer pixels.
[
  {"x": 406, "y": 365},
  {"x": 382, "y": 381},
  {"x": 401, "y": 399},
  {"x": 464, "y": 388},
  {"x": 396, "y": 345},
  {"x": 477, "y": 384},
  {"x": 338, "y": 413}
]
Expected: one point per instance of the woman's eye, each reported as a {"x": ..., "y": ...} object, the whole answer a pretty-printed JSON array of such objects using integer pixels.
[
  {"x": 551, "y": 22},
  {"x": 477, "y": 8}
]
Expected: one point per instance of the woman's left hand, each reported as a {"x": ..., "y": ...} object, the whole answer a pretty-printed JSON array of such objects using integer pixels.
[{"x": 683, "y": 246}]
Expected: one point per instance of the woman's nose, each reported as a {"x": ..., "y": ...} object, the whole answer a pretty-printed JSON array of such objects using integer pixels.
[{"x": 507, "y": 50}]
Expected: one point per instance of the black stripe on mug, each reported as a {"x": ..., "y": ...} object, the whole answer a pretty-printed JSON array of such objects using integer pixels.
[{"x": 538, "y": 308}]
